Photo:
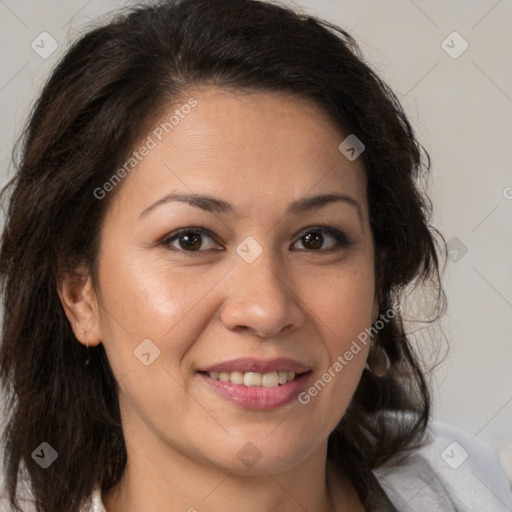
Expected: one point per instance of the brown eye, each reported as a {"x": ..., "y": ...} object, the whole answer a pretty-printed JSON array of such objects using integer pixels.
[
  {"x": 189, "y": 239},
  {"x": 313, "y": 239}
]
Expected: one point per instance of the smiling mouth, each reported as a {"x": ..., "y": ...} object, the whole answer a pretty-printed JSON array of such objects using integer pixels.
[{"x": 255, "y": 379}]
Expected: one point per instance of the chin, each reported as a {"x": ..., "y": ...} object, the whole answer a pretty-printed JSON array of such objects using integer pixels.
[{"x": 257, "y": 455}]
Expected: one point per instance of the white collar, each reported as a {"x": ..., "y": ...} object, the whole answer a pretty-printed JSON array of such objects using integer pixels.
[{"x": 97, "y": 504}]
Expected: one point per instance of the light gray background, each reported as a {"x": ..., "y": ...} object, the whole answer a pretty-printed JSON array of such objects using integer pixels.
[{"x": 461, "y": 109}]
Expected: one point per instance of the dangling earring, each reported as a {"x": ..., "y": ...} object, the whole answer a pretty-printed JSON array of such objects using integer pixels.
[
  {"x": 378, "y": 361},
  {"x": 88, "y": 354},
  {"x": 88, "y": 358}
]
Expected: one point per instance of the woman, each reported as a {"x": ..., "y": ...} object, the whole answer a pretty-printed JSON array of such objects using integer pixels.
[{"x": 213, "y": 219}]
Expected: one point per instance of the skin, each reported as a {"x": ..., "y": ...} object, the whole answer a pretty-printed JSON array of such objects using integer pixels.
[{"x": 259, "y": 152}]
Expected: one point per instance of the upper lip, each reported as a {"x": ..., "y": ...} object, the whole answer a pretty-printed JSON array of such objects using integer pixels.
[{"x": 281, "y": 364}]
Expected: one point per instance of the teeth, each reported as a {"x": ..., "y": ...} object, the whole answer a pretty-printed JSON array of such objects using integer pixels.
[
  {"x": 282, "y": 377},
  {"x": 252, "y": 379},
  {"x": 236, "y": 377},
  {"x": 255, "y": 379},
  {"x": 270, "y": 380}
]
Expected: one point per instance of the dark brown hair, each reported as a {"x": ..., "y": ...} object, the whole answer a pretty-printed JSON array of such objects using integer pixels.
[{"x": 110, "y": 85}]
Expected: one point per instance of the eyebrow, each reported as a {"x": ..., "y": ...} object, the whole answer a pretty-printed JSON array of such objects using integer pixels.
[{"x": 215, "y": 205}]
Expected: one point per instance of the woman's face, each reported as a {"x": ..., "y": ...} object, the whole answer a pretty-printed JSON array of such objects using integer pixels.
[{"x": 251, "y": 291}]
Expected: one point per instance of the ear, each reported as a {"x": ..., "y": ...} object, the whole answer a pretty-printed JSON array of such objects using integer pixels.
[{"x": 80, "y": 304}]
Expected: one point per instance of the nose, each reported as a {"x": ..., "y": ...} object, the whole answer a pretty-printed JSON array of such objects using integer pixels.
[{"x": 261, "y": 300}]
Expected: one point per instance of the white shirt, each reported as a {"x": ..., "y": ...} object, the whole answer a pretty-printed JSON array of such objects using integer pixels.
[{"x": 453, "y": 473}]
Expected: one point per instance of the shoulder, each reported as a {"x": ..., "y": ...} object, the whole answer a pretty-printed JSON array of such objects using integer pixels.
[{"x": 453, "y": 472}]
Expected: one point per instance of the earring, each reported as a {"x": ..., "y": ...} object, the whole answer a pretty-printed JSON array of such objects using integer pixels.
[
  {"x": 88, "y": 358},
  {"x": 88, "y": 355},
  {"x": 378, "y": 361}
]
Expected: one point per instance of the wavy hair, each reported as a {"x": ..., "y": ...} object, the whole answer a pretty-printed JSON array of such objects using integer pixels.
[{"x": 111, "y": 84}]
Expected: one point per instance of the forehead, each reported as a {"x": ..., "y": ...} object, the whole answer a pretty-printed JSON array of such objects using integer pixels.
[{"x": 252, "y": 148}]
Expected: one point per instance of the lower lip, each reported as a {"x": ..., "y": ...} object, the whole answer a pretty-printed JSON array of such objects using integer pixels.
[{"x": 256, "y": 397}]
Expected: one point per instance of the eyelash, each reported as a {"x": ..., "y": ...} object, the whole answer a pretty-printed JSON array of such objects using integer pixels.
[{"x": 339, "y": 237}]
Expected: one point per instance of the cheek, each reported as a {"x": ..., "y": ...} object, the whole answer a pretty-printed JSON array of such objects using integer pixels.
[
  {"x": 342, "y": 301},
  {"x": 152, "y": 315},
  {"x": 143, "y": 300},
  {"x": 342, "y": 310}
]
